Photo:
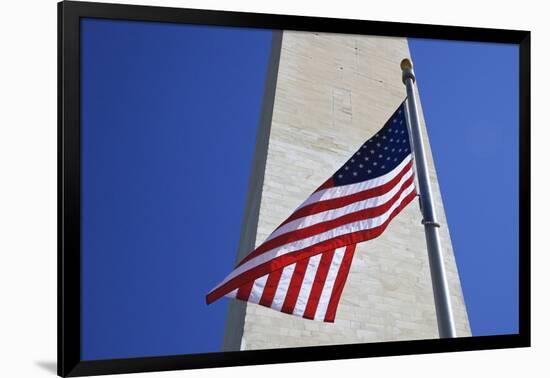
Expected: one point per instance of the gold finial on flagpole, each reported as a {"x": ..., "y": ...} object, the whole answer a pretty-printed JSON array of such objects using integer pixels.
[{"x": 407, "y": 68}]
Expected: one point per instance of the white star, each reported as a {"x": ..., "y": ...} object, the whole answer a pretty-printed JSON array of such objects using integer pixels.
[
  {"x": 355, "y": 173},
  {"x": 395, "y": 121},
  {"x": 386, "y": 147},
  {"x": 383, "y": 137},
  {"x": 375, "y": 163},
  {"x": 400, "y": 150},
  {"x": 401, "y": 122},
  {"x": 353, "y": 160},
  {"x": 380, "y": 156},
  {"x": 360, "y": 165},
  {"x": 388, "y": 158},
  {"x": 359, "y": 153},
  {"x": 377, "y": 135},
  {"x": 393, "y": 149},
  {"x": 346, "y": 168},
  {"x": 399, "y": 111},
  {"x": 366, "y": 158},
  {"x": 372, "y": 151},
  {"x": 364, "y": 146},
  {"x": 390, "y": 130},
  {"x": 402, "y": 131},
  {"x": 369, "y": 171},
  {"x": 340, "y": 176},
  {"x": 391, "y": 139},
  {"x": 383, "y": 166},
  {"x": 394, "y": 159},
  {"x": 377, "y": 144},
  {"x": 406, "y": 149}
]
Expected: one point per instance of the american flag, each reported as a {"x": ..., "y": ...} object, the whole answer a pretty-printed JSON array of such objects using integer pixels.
[{"x": 301, "y": 268}]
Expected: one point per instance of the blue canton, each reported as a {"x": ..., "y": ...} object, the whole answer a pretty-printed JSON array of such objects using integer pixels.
[{"x": 378, "y": 155}]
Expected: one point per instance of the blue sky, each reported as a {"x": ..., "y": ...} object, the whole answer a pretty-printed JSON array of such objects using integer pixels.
[
  {"x": 469, "y": 92},
  {"x": 168, "y": 117}
]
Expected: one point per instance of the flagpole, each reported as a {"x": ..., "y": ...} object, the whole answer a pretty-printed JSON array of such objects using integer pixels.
[{"x": 445, "y": 321}]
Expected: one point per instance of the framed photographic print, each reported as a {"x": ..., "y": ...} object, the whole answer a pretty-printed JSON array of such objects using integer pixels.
[{"x": 239, "y": 188}]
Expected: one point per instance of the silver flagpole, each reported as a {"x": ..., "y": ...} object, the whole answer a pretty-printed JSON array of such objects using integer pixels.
[{"x": 445, "y": 321}]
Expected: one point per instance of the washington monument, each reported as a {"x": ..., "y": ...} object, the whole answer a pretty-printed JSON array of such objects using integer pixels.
[{"x": 325, "y": 94}]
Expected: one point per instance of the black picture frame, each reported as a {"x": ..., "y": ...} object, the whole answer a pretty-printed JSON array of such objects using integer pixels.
[{"x": 69, "y": 360}]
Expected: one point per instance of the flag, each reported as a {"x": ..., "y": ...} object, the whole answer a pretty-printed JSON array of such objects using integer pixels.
[{"x": 301, "y": 268}]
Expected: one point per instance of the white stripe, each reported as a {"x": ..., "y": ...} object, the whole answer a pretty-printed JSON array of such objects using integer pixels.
[
  {"x": 326, "y": 294},
  {"x": 307, "y": 284},
  {"x": 297, "y": 245},
  {"x": 257, "y": 289},
  {"x": 331, "y": 214},
  {"x": 346, "y": 190},
  {"x": 282, "y": 288},
  {"x": 232, "y": 294}
]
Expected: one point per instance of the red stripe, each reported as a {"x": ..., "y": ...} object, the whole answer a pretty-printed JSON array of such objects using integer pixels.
[
  {"x": 295, "y": 285},
  {"x": 318, "y": 284},
  {"x": 270, "y": 288},
  {"x": 318, "y": 228},
  {"x": 290, "y": 258},
  {"x": 333, "y": 203},
  {"x": 339, "y": 283},
  {"x": 327, "y": 184},
  {"x": 244, "y": 291}
]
